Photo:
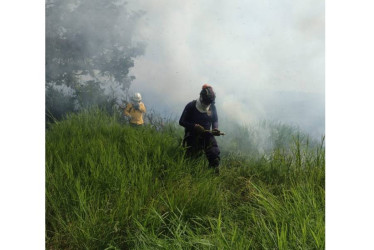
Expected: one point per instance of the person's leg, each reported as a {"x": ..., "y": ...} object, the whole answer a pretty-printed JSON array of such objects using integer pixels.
[
  {"x": 190, "y": 143},
  {"x": 212, "y": 152}
]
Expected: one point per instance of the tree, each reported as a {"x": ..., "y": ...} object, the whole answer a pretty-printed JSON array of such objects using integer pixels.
[{"x": 90, "y": 47}]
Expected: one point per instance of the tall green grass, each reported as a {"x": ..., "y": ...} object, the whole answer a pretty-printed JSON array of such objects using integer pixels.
[{"x": 111, "y": 186}]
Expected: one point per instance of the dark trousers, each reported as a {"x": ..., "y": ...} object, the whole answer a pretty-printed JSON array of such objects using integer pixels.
[{"x": 206, "y": 143}]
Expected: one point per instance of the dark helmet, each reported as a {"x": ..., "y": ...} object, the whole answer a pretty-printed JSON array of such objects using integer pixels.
[{"x": 207, "y": 94}]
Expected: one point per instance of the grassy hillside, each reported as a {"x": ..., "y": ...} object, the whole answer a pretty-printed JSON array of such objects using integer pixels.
[{"x": 110, "y": 186}]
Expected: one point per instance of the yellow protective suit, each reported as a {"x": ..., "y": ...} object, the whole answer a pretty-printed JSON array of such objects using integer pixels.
[{"x": 136, "y": 115}]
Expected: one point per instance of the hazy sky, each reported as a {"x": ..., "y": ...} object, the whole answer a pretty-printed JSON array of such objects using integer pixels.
[{"x": 265, "y": 59}]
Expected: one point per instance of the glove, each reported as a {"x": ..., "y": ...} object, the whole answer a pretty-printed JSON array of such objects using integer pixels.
[
  {"x": 199, "y": 129},
  {"x": 216, "y": 132},
  {"x": 136, "y": 105}
]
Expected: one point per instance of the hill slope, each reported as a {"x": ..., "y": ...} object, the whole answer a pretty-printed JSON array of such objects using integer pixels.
[{"x": 110, "y": 186}]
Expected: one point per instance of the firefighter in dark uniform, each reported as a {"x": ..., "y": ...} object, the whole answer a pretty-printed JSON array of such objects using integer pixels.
[{"x": 197, "y": 118}]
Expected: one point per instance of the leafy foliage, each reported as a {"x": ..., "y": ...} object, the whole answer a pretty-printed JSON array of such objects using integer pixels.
[{"x": 89, "y": 49}]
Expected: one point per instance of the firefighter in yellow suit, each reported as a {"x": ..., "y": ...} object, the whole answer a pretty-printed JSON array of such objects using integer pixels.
[{"x": 135, "y": 110}]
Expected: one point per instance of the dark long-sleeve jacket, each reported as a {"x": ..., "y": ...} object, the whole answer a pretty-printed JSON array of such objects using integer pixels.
[{"x": 192, "y": 116}]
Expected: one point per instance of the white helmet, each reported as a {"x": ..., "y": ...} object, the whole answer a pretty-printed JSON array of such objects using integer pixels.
[{"x": 137, "y": 97}]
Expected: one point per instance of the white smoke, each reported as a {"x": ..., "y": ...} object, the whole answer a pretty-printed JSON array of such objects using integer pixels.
[{"x": 258, "y": 55}]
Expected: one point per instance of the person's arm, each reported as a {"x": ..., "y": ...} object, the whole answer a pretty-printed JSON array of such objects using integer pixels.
[
  {"x": 184, "y": 120},
  {"x": 214, "y": 118},
  {"x": 142, "y": 108},
  {"x": 127, "y": 109}
]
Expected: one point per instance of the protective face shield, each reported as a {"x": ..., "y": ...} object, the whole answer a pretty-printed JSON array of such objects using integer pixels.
[{"x": 207, "y": 95}]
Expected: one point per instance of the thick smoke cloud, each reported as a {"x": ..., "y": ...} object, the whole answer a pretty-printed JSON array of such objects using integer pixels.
[
  {"x": 90, "y": 48},
  {"x": 265, "y": 59}
]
